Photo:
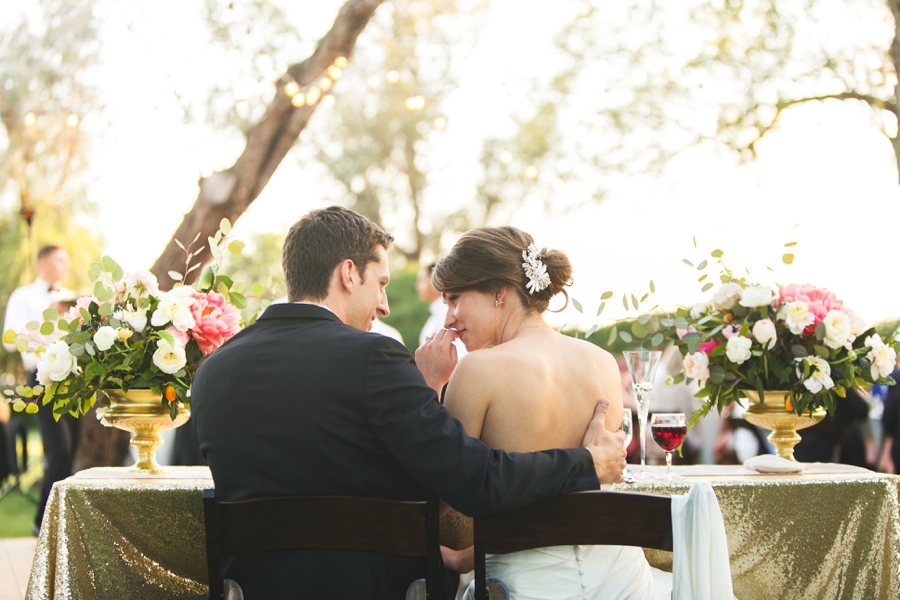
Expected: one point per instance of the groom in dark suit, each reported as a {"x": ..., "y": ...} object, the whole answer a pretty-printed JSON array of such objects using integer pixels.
[{"x": 306, "y": 401}]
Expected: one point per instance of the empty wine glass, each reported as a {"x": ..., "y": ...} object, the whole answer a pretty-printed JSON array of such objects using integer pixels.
[
  {"x": 668, "y": 431},
  {"x": 627, "y": 427},
  {"x": 642, "y": 366}
]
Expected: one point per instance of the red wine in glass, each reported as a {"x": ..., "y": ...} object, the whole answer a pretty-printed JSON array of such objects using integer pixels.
[
  {"x": 668, "y": 431},
  {"x": 668, "y": 437}
]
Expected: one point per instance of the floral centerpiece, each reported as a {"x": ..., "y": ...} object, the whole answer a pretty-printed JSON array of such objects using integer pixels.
[
  {"x": 796, "y": 339},
  {"x": 129, "y": 335}
]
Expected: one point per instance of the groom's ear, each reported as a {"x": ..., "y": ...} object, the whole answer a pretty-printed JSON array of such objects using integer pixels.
[{"x": 344, "y": 275}]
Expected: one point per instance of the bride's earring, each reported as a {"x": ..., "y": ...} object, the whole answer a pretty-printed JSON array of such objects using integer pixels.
[{"x": 497, "y": 302}]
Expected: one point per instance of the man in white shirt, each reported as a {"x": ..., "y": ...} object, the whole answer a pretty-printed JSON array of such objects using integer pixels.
[
  {"x": 27, "y": 304},
  {"x": 437, "y": 309}
]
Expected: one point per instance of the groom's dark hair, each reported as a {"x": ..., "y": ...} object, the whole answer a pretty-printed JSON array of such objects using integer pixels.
[{"x": 319, "y": 241}]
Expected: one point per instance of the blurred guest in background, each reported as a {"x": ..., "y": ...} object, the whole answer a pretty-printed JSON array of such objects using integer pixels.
[
  {"x": 27, "y": 304},
  {"x": 890, "y": 454}
]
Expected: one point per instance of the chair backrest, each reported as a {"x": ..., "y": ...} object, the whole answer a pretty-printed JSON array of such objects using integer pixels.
[
  {"x": 603, "y": 518},
  {"x": 326, "y": 522}
]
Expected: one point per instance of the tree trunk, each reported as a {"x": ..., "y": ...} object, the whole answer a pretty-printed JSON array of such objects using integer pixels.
[
  {"x": 228, "y": 193},
  {"x": 98, "y": 445}
]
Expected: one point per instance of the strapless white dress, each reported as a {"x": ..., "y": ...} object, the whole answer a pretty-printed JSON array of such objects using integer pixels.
[{"x": 576, "y": 573}]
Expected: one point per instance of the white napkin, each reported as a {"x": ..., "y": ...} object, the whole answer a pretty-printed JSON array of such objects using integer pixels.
[
  {"x": 770, "y": 463},
  {"x": 700, "y": 566}
]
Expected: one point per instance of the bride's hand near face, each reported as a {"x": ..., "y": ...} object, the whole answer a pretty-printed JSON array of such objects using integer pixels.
[
  {"x": 606, "y": 448},
  {"x": 436, "y": 359}
]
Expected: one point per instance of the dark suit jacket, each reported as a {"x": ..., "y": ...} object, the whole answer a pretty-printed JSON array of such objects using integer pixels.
[{"x": 300, "y": 403}]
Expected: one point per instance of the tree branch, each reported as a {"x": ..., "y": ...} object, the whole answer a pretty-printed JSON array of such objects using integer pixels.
[{"x": 228, "y": 193}]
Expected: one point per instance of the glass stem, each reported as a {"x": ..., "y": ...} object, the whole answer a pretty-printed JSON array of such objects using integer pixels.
[
  {"x": 668, "y": 463},
  {"x": 641, "y": 422}
]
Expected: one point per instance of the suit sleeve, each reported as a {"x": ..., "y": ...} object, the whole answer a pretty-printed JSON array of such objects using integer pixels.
[{"x": 406, "y": 416}]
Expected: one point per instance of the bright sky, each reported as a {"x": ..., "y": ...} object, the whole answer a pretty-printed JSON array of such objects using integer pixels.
[{"x": 826, "y": 169}]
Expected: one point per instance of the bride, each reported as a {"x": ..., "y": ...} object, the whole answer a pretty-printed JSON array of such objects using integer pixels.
[{"x": 525, "y": 387}]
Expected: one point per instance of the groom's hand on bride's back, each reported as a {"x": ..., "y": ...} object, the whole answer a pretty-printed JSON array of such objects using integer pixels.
[{"x": 606, "y": 448}]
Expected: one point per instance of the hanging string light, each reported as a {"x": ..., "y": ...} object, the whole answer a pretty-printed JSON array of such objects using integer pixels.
[
  {"x": 415, "y": 103},
  {"x": 506, "y": 157},
  {"x": 30, "y": 119},
  {"x": 440, "y": 123},
  {"x": 392, "y": 77},
  {"x": 531, "y": 172},
  {"x": 325, "y": 84},
  {"x": 291, "y": 89},
  {"x": 72, "y": 121},
  {"x": 298, "y": 100}
]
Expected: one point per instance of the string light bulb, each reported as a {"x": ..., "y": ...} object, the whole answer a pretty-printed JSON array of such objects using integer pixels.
[
  {"x": 335, "y": 73},
  {"x": 30, "y": 119},
  {"x": 373, "y": 82},
  {"x": 415, "y": 103},
  {"x": 392, "y": 77},
  {"x": 291, "y": 89},
  {"x": 72, "y": 121},
  {"x": 324, "y": 84},
  {"x": 313, "y": 95},
  {"x": 891, "y": 79},
  {"x": 340, "y": 62},
  {"x": 243, "y": 108},
  {"x": 328, "y": 101},
  {"x": 599, "y": 120},
  {"x": 298, "y": 100},
  {"x": 506, "y": 157},
  {"x": 531, "y": 172},
  {"x": 440, "y": 123}
]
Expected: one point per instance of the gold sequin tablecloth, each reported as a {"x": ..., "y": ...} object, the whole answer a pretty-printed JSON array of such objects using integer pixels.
[
  {"x": 110, "y": 536},
  {"x": 816, "y": 535}
]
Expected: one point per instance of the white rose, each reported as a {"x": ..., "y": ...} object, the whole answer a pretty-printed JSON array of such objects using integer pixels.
[
  {"x": 821, "y": 374},
  {"x": 56, "y": 363},
  {"x": 699, "y": 310},
  {"x": 169, "y": 358},
  {"x": 142, "y": 283},
  {"x": 796, "y": 316},
  {"x": 838, "y": 329},
  {"x": 727, "y": 296},
  {"x": 174, "y": 307},
  {"x": 857, "y": 325},
  {"x": 136, "y": 319},
  {"x": 882, "y": 357},
  {"x": 765, "y": 334},
  {"x": 105, "y": 337},
  {"x": 696, "y": 366},
  {"x": 756, "y": 296},
  {"x": 738, "y": 349}
]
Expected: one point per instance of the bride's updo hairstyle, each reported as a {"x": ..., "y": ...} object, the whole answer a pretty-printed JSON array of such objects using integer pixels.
[{"x": 488, "y": 258}]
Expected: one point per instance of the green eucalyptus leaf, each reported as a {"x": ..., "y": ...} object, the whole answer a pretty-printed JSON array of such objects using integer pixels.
[
  {"x": 50, "y": 314},
  {"x": 702, "y": 265},
  {"x": 600, "y": 309},
  {"x": 787, "y": 259},
  {"x": 225, "y": 226},
  {"x": 626, "y": 337},
  {"x": 716, "y": 253},
  {"x": 236, "y": 246},
  {"x": 257, "y": 289},
  {"x": 706, "y": 287},
  {"x": 613, "y": 333},
  {"x": 657, "y": 339},
  {"x": 799, "y": 351},
  {"x": 591, "y": 331},
  {"x": 652, "y": 287},
  {"x": 687, "y": 262},
  {"x": 106, "y": 310},
  {"x": 32, "y": 325},
  {"x": 716, "y": 373},
  {"x": 606, "y": 295},
  {"x": 47, "y": 328},
  {"x": 94, "y": 271},
  {"x": 206, "y": 279},
  {"x": 577, "y": 305},
  {"x": 76, "y": 349},
  {"x": 238, "y": 300}
]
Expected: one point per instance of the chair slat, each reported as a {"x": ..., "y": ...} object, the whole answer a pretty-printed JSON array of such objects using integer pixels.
[{"x": 243, "y": 527}]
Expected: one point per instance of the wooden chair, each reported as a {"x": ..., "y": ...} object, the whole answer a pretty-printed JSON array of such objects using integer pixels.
[
  {"x": 328, "y": 522},
  {"x": 605, "y": 518}
]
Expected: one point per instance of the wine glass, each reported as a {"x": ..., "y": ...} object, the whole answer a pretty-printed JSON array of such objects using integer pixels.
[
  {"x": 627, "y": 427},
  {"x": 668, "y": 431},
  {"x": 642, "y": 366}
]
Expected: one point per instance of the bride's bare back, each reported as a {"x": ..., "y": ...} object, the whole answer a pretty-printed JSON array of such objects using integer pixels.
[{"x": 534, "y": 392}]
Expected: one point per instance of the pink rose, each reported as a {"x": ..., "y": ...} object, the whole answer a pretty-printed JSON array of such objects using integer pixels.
[
  {"x": 181, "y": 338},
  {"x": 75, "y": 312},
  {"x": 216, "y": 321},
  {"x": 707, "y": 347}
]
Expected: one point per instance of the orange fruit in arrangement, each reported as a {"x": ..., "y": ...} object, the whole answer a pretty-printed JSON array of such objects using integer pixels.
[
  {"x": 170, "y": 393},
  {"x": 788, "y": 406}
]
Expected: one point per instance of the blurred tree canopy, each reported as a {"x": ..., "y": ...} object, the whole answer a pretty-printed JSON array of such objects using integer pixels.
[
  {"x": 45, "y": 94},
  {"x": 642, "y": 82}
]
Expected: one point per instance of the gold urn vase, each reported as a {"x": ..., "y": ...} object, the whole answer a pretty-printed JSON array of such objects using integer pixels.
[
  {"x": 784, "y": 423},
  {"x": 142, "y": 413}
]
